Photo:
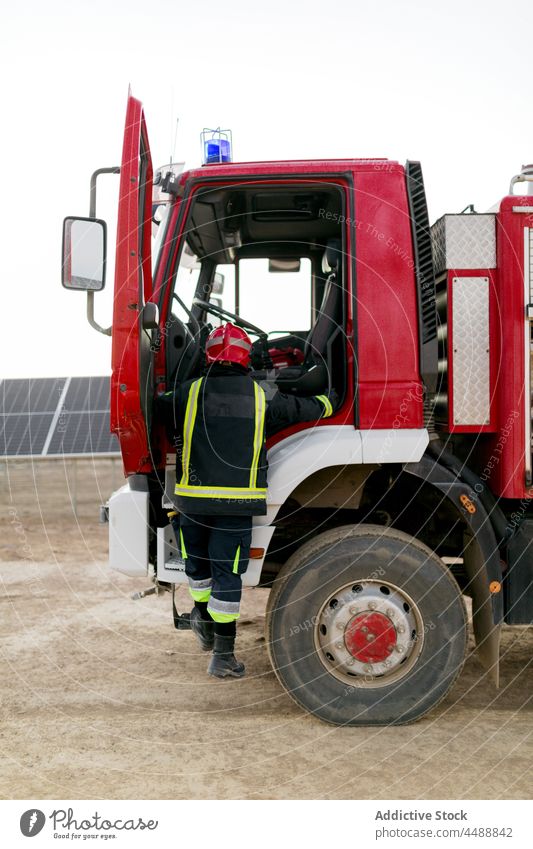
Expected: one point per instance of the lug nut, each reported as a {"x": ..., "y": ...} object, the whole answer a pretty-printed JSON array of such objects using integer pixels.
[
  {"x": 399, "y": 649},
  {"x": 401, "y": 629},
  {"x": 338, "y": 645},
  {"x": 353, "y": 609},
  {"x": 390, "y": 612},
  {"x": 372, "y": 605}
]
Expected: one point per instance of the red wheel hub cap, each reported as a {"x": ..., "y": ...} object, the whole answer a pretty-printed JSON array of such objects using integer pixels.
[{"x": 370, "y": 637}]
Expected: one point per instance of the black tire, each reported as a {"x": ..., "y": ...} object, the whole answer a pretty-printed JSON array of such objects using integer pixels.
[{"x": 406, "y": 568}]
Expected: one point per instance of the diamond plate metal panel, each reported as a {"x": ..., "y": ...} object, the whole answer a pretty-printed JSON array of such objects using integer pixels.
[
  {"x": 464, "y": 241},
  {"x": 471, "y": 357}
]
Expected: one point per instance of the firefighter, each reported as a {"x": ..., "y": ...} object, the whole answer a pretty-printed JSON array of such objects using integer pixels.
[{"x": 221, "y": 421}]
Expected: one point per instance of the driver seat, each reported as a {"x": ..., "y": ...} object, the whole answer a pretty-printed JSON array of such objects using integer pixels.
[{"x": 312, "y": 377}]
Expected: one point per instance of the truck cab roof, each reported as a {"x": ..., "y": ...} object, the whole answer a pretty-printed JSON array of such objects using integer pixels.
[{"x": 292, "y": 166}]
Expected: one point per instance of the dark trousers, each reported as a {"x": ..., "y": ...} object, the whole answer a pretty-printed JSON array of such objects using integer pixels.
[{"x": 216, "y": 550}]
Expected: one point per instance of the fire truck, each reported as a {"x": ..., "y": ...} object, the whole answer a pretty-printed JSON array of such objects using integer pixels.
[{"x": 416, "y": 492}]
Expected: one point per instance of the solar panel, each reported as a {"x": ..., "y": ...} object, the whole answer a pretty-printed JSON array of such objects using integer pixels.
[
  {"x": 55, "y": 416},
  {"x": 83, "y": 433},
  {"x": 24, "y": 434},
  {"x": 87, "y": 393},
  {"x": 33, "y": 395}
]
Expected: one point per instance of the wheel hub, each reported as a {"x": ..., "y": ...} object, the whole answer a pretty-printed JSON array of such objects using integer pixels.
[
  {"x": 369, "y": 634},
  {"x": 370, "y": 637}
]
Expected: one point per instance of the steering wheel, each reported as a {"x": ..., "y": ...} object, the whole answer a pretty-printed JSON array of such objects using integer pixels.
[
  {"x": 222, "y": 313},
  {"x": 192, "y": 319}
]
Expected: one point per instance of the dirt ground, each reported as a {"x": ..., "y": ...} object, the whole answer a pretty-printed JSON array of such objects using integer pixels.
[{"x": 102, "y": 698}]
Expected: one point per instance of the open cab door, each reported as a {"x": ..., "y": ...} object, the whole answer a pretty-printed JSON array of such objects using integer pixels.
[{"x": 133, "y": 315}]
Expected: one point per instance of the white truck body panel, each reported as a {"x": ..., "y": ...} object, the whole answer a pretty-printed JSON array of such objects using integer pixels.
[
  {"x": 128, "y": 532},
  {"x": 290, "y": 462}
]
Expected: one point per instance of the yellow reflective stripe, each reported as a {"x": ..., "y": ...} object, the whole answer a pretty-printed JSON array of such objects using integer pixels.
[
  {"x": 260, "y": 408},
  {"x": 222, "y": 617},
  {"x": 218, "y": 492},
  {"x": 327, "y": 405},
  {"x": 200, "y": 595},
  {"x": 222, "y": 488},
  {"x": 182, "y": 543},
  {"x": 188, "y": 425},
  {"x": 236, "y": 561}
]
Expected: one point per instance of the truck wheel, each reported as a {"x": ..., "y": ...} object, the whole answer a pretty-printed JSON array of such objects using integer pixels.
[{"x": 366, "y": 626}]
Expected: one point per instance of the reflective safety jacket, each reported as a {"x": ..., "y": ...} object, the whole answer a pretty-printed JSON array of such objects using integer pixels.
[{"x": 221, "y": 421}]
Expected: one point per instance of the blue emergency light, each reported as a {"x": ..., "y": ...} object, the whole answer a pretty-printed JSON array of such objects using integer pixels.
[{"x": 216, "y": 146}]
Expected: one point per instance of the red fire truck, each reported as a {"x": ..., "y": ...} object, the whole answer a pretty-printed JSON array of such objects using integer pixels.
[{"x": 417, "y": 491}]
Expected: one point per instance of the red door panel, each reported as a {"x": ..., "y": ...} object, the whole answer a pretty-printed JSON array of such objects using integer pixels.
[{"x": 131, "y": 356}]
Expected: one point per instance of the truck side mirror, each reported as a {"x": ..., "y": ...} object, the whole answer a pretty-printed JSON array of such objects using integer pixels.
[{"x": 84, "y": 254}]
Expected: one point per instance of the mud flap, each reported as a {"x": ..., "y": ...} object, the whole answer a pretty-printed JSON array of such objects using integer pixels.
[
  {"x": 518, "y": 581},
  {"x": 182, "y": 621},
  {"x": 486, "y": 631},
  {"x": 481, "y": 558}
]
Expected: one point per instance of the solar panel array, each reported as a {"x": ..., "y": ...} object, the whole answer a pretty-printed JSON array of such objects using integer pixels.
[{"x": 55, "y": 416}]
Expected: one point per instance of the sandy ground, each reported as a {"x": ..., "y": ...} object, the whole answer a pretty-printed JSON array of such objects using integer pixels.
[{"x": 102, "y": 698}]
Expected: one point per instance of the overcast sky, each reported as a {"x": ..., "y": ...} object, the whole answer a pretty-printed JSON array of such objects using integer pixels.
[{"x": 447, "y": 83}]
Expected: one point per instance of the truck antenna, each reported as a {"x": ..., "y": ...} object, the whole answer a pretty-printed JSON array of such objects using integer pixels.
[
  {"x": 173, "y": 131},
  {"x": 173, "y": 148}
]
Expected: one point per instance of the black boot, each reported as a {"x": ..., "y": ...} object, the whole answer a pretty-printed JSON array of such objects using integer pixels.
[
  {"x": 223, "y": 663},
  {"x": 203, "y": 629}
]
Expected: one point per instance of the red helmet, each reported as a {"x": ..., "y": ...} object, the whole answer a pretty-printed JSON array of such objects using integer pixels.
[{"x": 228, "y": 343}]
